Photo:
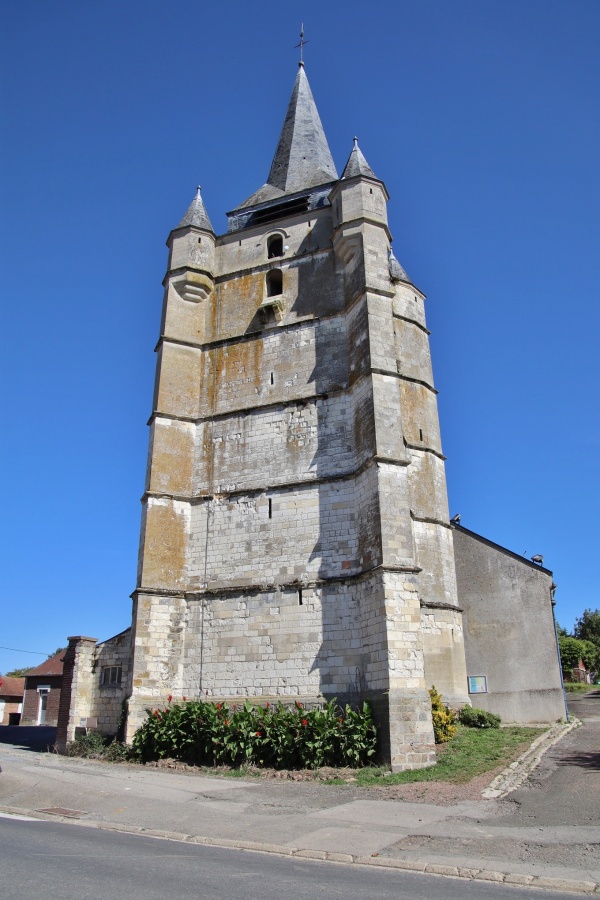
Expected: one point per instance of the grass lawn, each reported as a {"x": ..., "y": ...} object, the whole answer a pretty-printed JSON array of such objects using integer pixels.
[
  {"x": 575, "y": 687},
  {"x": 471, "y": 752}
]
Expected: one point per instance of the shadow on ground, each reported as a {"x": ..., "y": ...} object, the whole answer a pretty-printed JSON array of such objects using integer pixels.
[
  {"x": 39, "y": 738},
  {"x": 583, "y": 760}
]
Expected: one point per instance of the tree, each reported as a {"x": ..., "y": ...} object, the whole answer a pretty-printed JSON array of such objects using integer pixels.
[
  {"x": 572, "y": 650},
  {"x": 18, "y": 673},
  {"x": 587, "y": 627},
  {"x": 58, "y": 650}
]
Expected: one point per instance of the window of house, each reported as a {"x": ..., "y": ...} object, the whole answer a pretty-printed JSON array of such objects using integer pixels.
[
  {"x": 111, "y": 675},
  {"x": 274, "y": 283},
  {"x": 275, "y": 246}
]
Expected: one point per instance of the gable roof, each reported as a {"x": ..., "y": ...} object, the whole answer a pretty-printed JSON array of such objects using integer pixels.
[
  {"x": 11, "y": 686},
  {"x": 52, "y": 666}
]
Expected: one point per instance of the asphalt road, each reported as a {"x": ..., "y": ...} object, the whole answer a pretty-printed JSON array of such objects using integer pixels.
[
  {"x": 565, "y": 788},
  {"x": 63, "y": 862}
]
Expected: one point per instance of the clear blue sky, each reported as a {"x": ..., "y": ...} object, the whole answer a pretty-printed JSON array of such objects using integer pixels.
[{"x": 482, "y": 119}]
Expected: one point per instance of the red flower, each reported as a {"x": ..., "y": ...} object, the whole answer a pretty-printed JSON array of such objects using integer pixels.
[
  {"x": 185, "y": 698},
  {"x": 227, "y": 721},
  {"x": 258, "y": 734},
  {"x": 304, "y": 722},
  {"x": 299, "y": 705},
  {"x": 156, "y": 713},
  {"x": 268, "y": 706},
  {"x": 169, "y": 698},
  {"x": 340, "y": 719},
  {"x": 219, "y": 705}
]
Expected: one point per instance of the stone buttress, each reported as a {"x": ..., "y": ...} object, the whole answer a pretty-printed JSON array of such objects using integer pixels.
[{"x": 295, "y": 540}]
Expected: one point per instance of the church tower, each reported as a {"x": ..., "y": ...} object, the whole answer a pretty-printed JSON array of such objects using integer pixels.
[{"x": 295, "y": 539}]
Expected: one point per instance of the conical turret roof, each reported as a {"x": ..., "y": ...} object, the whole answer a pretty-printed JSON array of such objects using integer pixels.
[
  {"x": 357, "y": 164},
  {"x": 302, "y": 159},
  {"x": 397, "y": 272},
  {"x": 196, "y": 215}
]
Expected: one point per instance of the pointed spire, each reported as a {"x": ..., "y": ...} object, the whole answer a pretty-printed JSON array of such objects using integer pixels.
[
  {"x": 397, "y": 273},
  {"x": 196, "y": 214},
  {"x": 357, "y": 164},
  {"x": 302, "y": 159}
]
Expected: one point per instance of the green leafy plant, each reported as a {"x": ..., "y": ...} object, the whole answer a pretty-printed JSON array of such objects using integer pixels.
[
  {"x": 444, "y": 718},
  {"x": 280, "y": 737},
  {"x": 478, "y": 718}
]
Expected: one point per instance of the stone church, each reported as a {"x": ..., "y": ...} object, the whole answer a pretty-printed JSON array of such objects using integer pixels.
[{"x": 295, "y": 541}]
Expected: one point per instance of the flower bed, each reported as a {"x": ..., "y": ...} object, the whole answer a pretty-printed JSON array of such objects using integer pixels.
[{"x": 280, "y": 737}]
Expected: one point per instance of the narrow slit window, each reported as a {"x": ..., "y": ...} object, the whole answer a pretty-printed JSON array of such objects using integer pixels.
[
  {"x": 270, "y": 508},
  {"x": 299, "y": 596},
  {"x": 272, "y": 378},
  {"x": 420, "y": 434},
  {"x": 275, "y": 246},
  {"x": 274, "y": 283}
]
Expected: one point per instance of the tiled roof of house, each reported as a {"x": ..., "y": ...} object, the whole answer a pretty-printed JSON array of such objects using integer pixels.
[
  {"x": 52, "y": 666},
  {"x": 10, "y": 686}
]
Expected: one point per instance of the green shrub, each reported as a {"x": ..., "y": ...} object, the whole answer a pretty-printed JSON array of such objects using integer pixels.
[
  {"x": 93, "y": 745},
  {"x": 88, "y": 745},
  {"x": 444, "y": 718},
  {"x": 478, "y": 718},
  {"x": 207, "y": 733}
]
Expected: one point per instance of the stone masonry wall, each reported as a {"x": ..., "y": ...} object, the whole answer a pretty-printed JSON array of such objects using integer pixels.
[
  {"x": 278, "y": 556},
  {"x": 107, "y": 699}
]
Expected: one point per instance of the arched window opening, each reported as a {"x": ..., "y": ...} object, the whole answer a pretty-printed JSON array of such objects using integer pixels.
[
  {"x": 274, "y": 283},
  {"x": 275, "y": 246}
]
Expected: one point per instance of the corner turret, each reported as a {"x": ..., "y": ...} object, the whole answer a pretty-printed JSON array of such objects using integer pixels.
[
  {"x": 192, "y": 253},
  {"x": 359, "y": 201}
]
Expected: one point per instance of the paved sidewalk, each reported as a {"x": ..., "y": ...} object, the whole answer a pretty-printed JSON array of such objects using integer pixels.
[{"x": 536, "y": 835}]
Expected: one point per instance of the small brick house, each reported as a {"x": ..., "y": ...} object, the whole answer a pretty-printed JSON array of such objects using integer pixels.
[
  {"x": 42, "y": 692},
  {"x": 11, "y": 699}
]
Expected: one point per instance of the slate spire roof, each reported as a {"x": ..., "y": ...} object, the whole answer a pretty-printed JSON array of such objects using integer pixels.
[
  {"x": 357, "y": 164},
  {"x": 302, "y": 159},
  {"x": 196, "y": 214},
  {"x": 397, "y": 272}
]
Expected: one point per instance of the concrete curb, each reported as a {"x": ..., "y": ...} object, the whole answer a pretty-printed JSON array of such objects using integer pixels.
[
  {"x": 449, "y": 871},
  {"x": 515, "y": 774}
]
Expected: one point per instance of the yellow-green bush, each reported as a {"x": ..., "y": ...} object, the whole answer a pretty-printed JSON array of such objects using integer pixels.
[{"x": 444, "y": 718}]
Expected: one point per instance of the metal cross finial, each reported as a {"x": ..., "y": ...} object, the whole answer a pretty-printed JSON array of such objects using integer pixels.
[{"x": 301, "y": 44}]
